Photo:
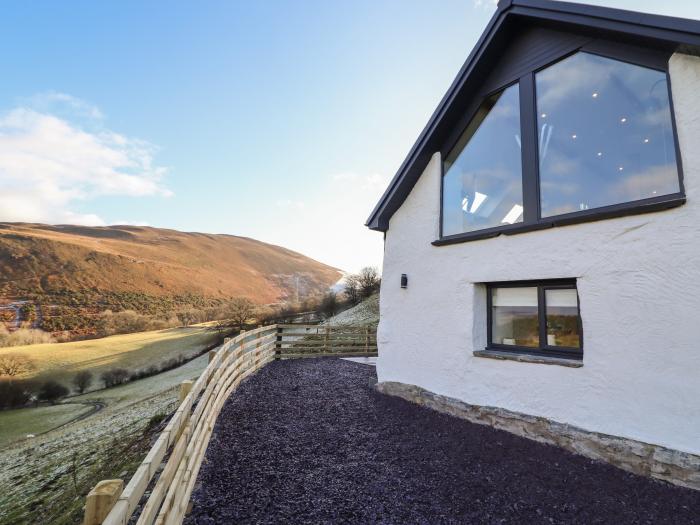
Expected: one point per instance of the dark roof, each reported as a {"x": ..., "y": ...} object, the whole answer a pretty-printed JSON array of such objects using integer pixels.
[{"x": 654, "y": 31}]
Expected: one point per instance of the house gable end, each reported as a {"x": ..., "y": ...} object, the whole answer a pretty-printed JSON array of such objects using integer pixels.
[{"x": 522, "y": 36}]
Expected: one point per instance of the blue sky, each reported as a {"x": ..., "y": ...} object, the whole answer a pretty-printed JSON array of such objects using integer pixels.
[{"x": 278, "y": 120}]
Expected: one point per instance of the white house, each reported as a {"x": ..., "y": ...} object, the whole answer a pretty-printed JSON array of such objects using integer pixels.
[{"x": 542, "y": 239}]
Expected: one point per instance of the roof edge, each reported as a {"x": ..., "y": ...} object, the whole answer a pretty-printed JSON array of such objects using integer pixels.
[{"x": 680, "y": 31}]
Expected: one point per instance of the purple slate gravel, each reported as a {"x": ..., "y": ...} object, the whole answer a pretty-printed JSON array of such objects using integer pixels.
[{"x": 308, "y": 441}]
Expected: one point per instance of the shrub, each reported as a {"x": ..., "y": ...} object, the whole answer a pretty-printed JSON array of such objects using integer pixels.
[
  {"x": 189, "y": 316},
  {"x": 82, "y": 380},
  {"x": 28, "y": 312},
  {"x": 23, "y": 336},
  {"x": 52, "y": 391},
  {"x": 15, "y": 393},
  {"x": 15, "y": 364},
  {"x": 115, "y": 377},
  {"x": 329, "y": 305}
]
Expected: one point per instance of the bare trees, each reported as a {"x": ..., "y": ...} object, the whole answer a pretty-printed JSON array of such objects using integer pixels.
[
  {"x": 352, "y": 288},
  {"x": 239, "y": 310},
  {"x": 82, "y": 380},
  {"x": 15, "y": 393},
  {"x": 114, "y": 377},
  {"x": 329, "y": 305},
  {"x": 15, "y": 364},
  {"x": 52, "y": 391},
  {"x": 369, "y": 281},
  {"x": 189, "y": 316},
  {"x": 361, "y": 285}
]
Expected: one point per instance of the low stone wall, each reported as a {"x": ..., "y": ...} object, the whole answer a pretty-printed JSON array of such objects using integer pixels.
[{"x": 679, "y": 468}]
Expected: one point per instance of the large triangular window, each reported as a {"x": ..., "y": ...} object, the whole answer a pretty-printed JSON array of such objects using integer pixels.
[
  {"x": 585, "y": 138},
  {"x": 482, "y": 185}
]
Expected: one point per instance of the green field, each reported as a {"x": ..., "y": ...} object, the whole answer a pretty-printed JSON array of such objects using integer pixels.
[
  {"x": 16, "y": 424},
  {"x": 45, "y": 479},
  {"x": 61, "y": 361}
]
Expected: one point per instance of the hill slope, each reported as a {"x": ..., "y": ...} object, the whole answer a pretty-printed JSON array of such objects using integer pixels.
[
  {"x": 52, "y": 260},
  {"x": 364, "y": 313}
]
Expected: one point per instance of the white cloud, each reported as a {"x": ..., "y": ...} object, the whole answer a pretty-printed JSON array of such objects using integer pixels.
[
  {"x": 48, "y": 163},
  {"x": 54, "y": 101},
  {"x": 487, "y": 4},
  {"x": 373, "y": 182}
]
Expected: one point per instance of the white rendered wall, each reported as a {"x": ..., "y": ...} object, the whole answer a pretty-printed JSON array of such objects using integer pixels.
[{"x": 639, "y": 287}]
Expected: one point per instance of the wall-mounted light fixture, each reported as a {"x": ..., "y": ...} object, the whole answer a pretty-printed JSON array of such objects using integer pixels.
[{"x": 404, "y": 280}]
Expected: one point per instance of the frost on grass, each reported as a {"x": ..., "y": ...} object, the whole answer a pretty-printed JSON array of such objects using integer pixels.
[
  {"x": 45, "y": 479},
  {"x": 364, "y": 313}
]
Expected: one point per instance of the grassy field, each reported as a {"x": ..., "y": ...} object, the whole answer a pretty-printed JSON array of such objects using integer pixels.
[
  {"x": 61, "y": 361},
  {"x": 15, "y": 424},
  {"x": 124, "y": 395},
  {"x": 45, "y": 479}
]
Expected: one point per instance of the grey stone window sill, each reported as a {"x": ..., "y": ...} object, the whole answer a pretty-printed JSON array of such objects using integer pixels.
[{"x": 528, "y": 358}]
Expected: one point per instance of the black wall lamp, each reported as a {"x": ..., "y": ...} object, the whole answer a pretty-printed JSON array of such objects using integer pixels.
[{"x": 404, "y": 280}]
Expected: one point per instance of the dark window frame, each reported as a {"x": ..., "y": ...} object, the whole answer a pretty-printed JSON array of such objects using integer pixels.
[
  {"x": 532, "y": 219},
  {"x": 544, "y": 349}
]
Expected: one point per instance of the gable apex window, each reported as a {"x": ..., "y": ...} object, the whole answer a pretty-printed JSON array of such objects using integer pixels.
[
  {"x": 605, "y": 134},
  {"x": 482, "y": 184},
  {"x": 586, "y": 137}
]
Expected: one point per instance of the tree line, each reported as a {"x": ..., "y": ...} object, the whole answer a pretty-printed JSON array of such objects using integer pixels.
[{"x": 16, "y": 392}]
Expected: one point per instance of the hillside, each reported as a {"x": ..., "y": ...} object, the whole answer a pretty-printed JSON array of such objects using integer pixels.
[
  {"x": 364, "y": 313},
  {"x": 36, "y": 258},
  {"x": 63, "y": 278}
]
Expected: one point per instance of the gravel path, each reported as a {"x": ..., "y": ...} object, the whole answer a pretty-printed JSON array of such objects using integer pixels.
[{"x": 307, "y": 441}]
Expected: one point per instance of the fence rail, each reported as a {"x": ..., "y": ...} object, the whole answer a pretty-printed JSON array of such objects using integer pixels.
[{"x": 182, "y": 444}]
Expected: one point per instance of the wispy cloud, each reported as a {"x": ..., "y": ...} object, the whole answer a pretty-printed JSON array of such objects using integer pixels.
[
  {"x": 48, "y": 163},
  {"x": 485, "y": 4},
  {"x": 374, "y": 182},
  {"x": 55, "y": 101}
]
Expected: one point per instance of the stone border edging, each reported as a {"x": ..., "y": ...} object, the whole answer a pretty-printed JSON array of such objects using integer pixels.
[{"x": 655, "y": 461}]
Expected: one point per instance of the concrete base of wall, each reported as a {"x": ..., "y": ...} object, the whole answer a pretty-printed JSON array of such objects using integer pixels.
[{"x": 679, "y": 468}]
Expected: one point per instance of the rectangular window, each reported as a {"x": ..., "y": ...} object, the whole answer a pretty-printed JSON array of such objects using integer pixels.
[{"x": 540, "y": 317}]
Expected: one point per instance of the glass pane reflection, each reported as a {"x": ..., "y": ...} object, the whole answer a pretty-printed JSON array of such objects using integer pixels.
[
  {"x": 515, "y": 316},
  {"x": 562, "y": 318},
  {"x": 482, "y": 185},
  {"x": 605, "y": 134}
]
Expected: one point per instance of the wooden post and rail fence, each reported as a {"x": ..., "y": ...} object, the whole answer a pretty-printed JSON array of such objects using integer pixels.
[{"x": 181, "y": 446}]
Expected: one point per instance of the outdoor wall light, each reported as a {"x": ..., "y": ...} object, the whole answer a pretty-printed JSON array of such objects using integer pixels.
[{"x": 404, "y": 280}]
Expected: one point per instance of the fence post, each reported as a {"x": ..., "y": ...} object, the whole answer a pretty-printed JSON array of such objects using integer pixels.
[
  {"x": 278, "y": 343},
  {"x": 101, "y": 499},
  {"x": 327, "y": 344},
  {"x": 185, "y": 388},
  {"x": 367, "y": 339}
]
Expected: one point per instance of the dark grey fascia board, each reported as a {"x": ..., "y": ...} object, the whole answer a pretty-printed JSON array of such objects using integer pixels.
[
  {"x": 596, "y": 16},
  {"x": 662, "y": 31}
]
